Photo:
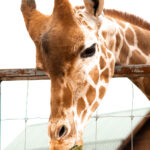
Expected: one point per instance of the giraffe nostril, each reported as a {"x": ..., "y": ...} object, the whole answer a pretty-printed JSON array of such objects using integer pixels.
[{"x": 62, "y": 131}]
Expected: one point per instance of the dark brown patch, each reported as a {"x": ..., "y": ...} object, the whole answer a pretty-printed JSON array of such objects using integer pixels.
[
  {"x": 84, "y": 115},
  {"x": 67, "y": 97},
  {"x": 124, "y": 53},
  {"x": 111, "y": 45},
  {"x": 118, "y": 40},
  {"x": 102, "y": 63},
  {"x": 129, "y": 36},
  {"x": 94, "y": 74},
  {"x": 105, "y": 75},
  {"x": 137, "y": 58},
  {"x": 91, "y": 94},
  {"x": 104, "y": 34},
  {"x": 94, "y": 107},
  {"x": 143, "y": 37},
  {"x": 103, "y": 50},
  {"x": 112, "y": 66},
  {"x": 102, "y": 91},
  {"x": 80, "y": 106}
]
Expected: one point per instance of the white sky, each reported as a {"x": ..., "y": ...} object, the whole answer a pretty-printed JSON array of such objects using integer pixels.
[{"x": 18, "y": 51}]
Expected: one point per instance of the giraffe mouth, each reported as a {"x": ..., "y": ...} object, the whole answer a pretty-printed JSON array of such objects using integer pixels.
[{"x": 76, "y": 147}]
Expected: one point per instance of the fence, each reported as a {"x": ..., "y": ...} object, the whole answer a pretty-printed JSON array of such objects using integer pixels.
[{"x": 33, "y": 74}]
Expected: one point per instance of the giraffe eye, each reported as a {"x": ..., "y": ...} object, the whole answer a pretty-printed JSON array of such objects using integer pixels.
[{"x": 89, "y": 52}]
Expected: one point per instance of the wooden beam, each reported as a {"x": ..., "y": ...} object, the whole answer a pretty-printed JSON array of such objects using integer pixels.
[
  {"x": 34, "y": 74},
  {"x": 132, "y": 71}
]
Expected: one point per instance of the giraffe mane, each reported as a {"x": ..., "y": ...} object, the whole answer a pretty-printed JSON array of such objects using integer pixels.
[{"x": 133, "y": 19}]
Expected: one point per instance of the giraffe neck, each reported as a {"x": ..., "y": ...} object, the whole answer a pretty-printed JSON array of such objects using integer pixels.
[{"x": 129, "y": 43}]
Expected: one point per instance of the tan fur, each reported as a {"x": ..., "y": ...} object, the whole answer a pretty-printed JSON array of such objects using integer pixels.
[
  {"x": 105, "y": 75},
  {"x": 127, "y": 18},
  {"x": 103, "y": 49},
  {"x": 118, "y": 40},
  {"x": 102, "y": 91},
  {"x": 124, "y": 53},
  {"x": 91, "y": 94},
  {"x": 80, "y": 106},
  {"x": 122, "y": 24},
  {"x": 104, "y": 34},
  {"x": 112, "y": 64},
  {"x": 143, "y": 37},
  {"x": 102, "y": 63},
  {"x": 137, "y": 58},
  {"x": 129, "y": 36},
  {"x": 67, "y": 97},
  {"x": 83, "y": 115},
  {"x": 94, "y": 73},
  {"x": 95, "y": 106}
]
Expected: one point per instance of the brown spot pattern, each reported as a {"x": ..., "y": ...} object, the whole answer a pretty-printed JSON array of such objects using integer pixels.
[
  {"x": 118, "y": 40},
  {"x": 129, "y": 36},
  {"x": 102, "y": 63},
  {"x": 111, "y": 45},
  {"x": 94, "y": 73},
  {"x": 91, "y": 94},
  {"x": 124, "y": 53},
  {"x": 67, "y": 97},
  {"x": 104, "y": 34},
  {"x": 103, "y": 50},
  {"x": 84, "y": 115},
  {"x": 109, "y": 54},
  {"x": 137, "y": 58},
  {"x": 105, "y": 75},
  {"x": 80, "y": 106},
  {"x": 94, "y": 107},
  {"x": 143, "y": 37},
  {"x": 112, "y": 66},
  {"x": 102, "y": 91}
]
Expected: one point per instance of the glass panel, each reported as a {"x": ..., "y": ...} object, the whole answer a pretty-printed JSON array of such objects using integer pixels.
[
  {"x": 111, "y": 131},
  {"x": 37, "y": 135},
  {"x": 13, "y": 99},
  {"x": 13, "y": 136},
  {"x": 89, "y": 135},
  {"x": 39, "y": 99}
]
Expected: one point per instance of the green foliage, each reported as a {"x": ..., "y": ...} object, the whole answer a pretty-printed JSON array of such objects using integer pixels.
[{"x": 76, "y": 148}]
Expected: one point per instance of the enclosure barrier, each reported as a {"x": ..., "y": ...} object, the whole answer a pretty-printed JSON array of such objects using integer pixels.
[
  {"x": 34, "y": 74},
  {"x": 131, "y": 71}
]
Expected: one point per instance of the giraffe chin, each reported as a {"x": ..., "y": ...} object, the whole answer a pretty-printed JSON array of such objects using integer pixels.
[{"x": 65, "y": 144}]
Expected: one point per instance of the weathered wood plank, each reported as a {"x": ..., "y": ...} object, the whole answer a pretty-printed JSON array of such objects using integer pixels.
[
  {"x": 34, "y": 74},
  {"x": 22, "y": 74},
  {"x": 132, "y": 71}
]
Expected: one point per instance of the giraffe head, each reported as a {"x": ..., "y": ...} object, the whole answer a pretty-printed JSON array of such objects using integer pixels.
[{"x": 79, "y": 65}]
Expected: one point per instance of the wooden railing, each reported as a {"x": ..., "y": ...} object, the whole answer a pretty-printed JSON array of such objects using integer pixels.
[{"x": 33, "y": 74}]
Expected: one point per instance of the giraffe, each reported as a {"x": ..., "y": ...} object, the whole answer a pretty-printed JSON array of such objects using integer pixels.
[{"x": 78, "y": 48}]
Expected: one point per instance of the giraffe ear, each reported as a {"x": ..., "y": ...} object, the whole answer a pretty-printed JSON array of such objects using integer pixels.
[{"x": 94, "y": 7}]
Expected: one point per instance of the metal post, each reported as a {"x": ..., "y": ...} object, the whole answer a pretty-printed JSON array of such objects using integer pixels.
[{"x": 0, "y": 115}]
